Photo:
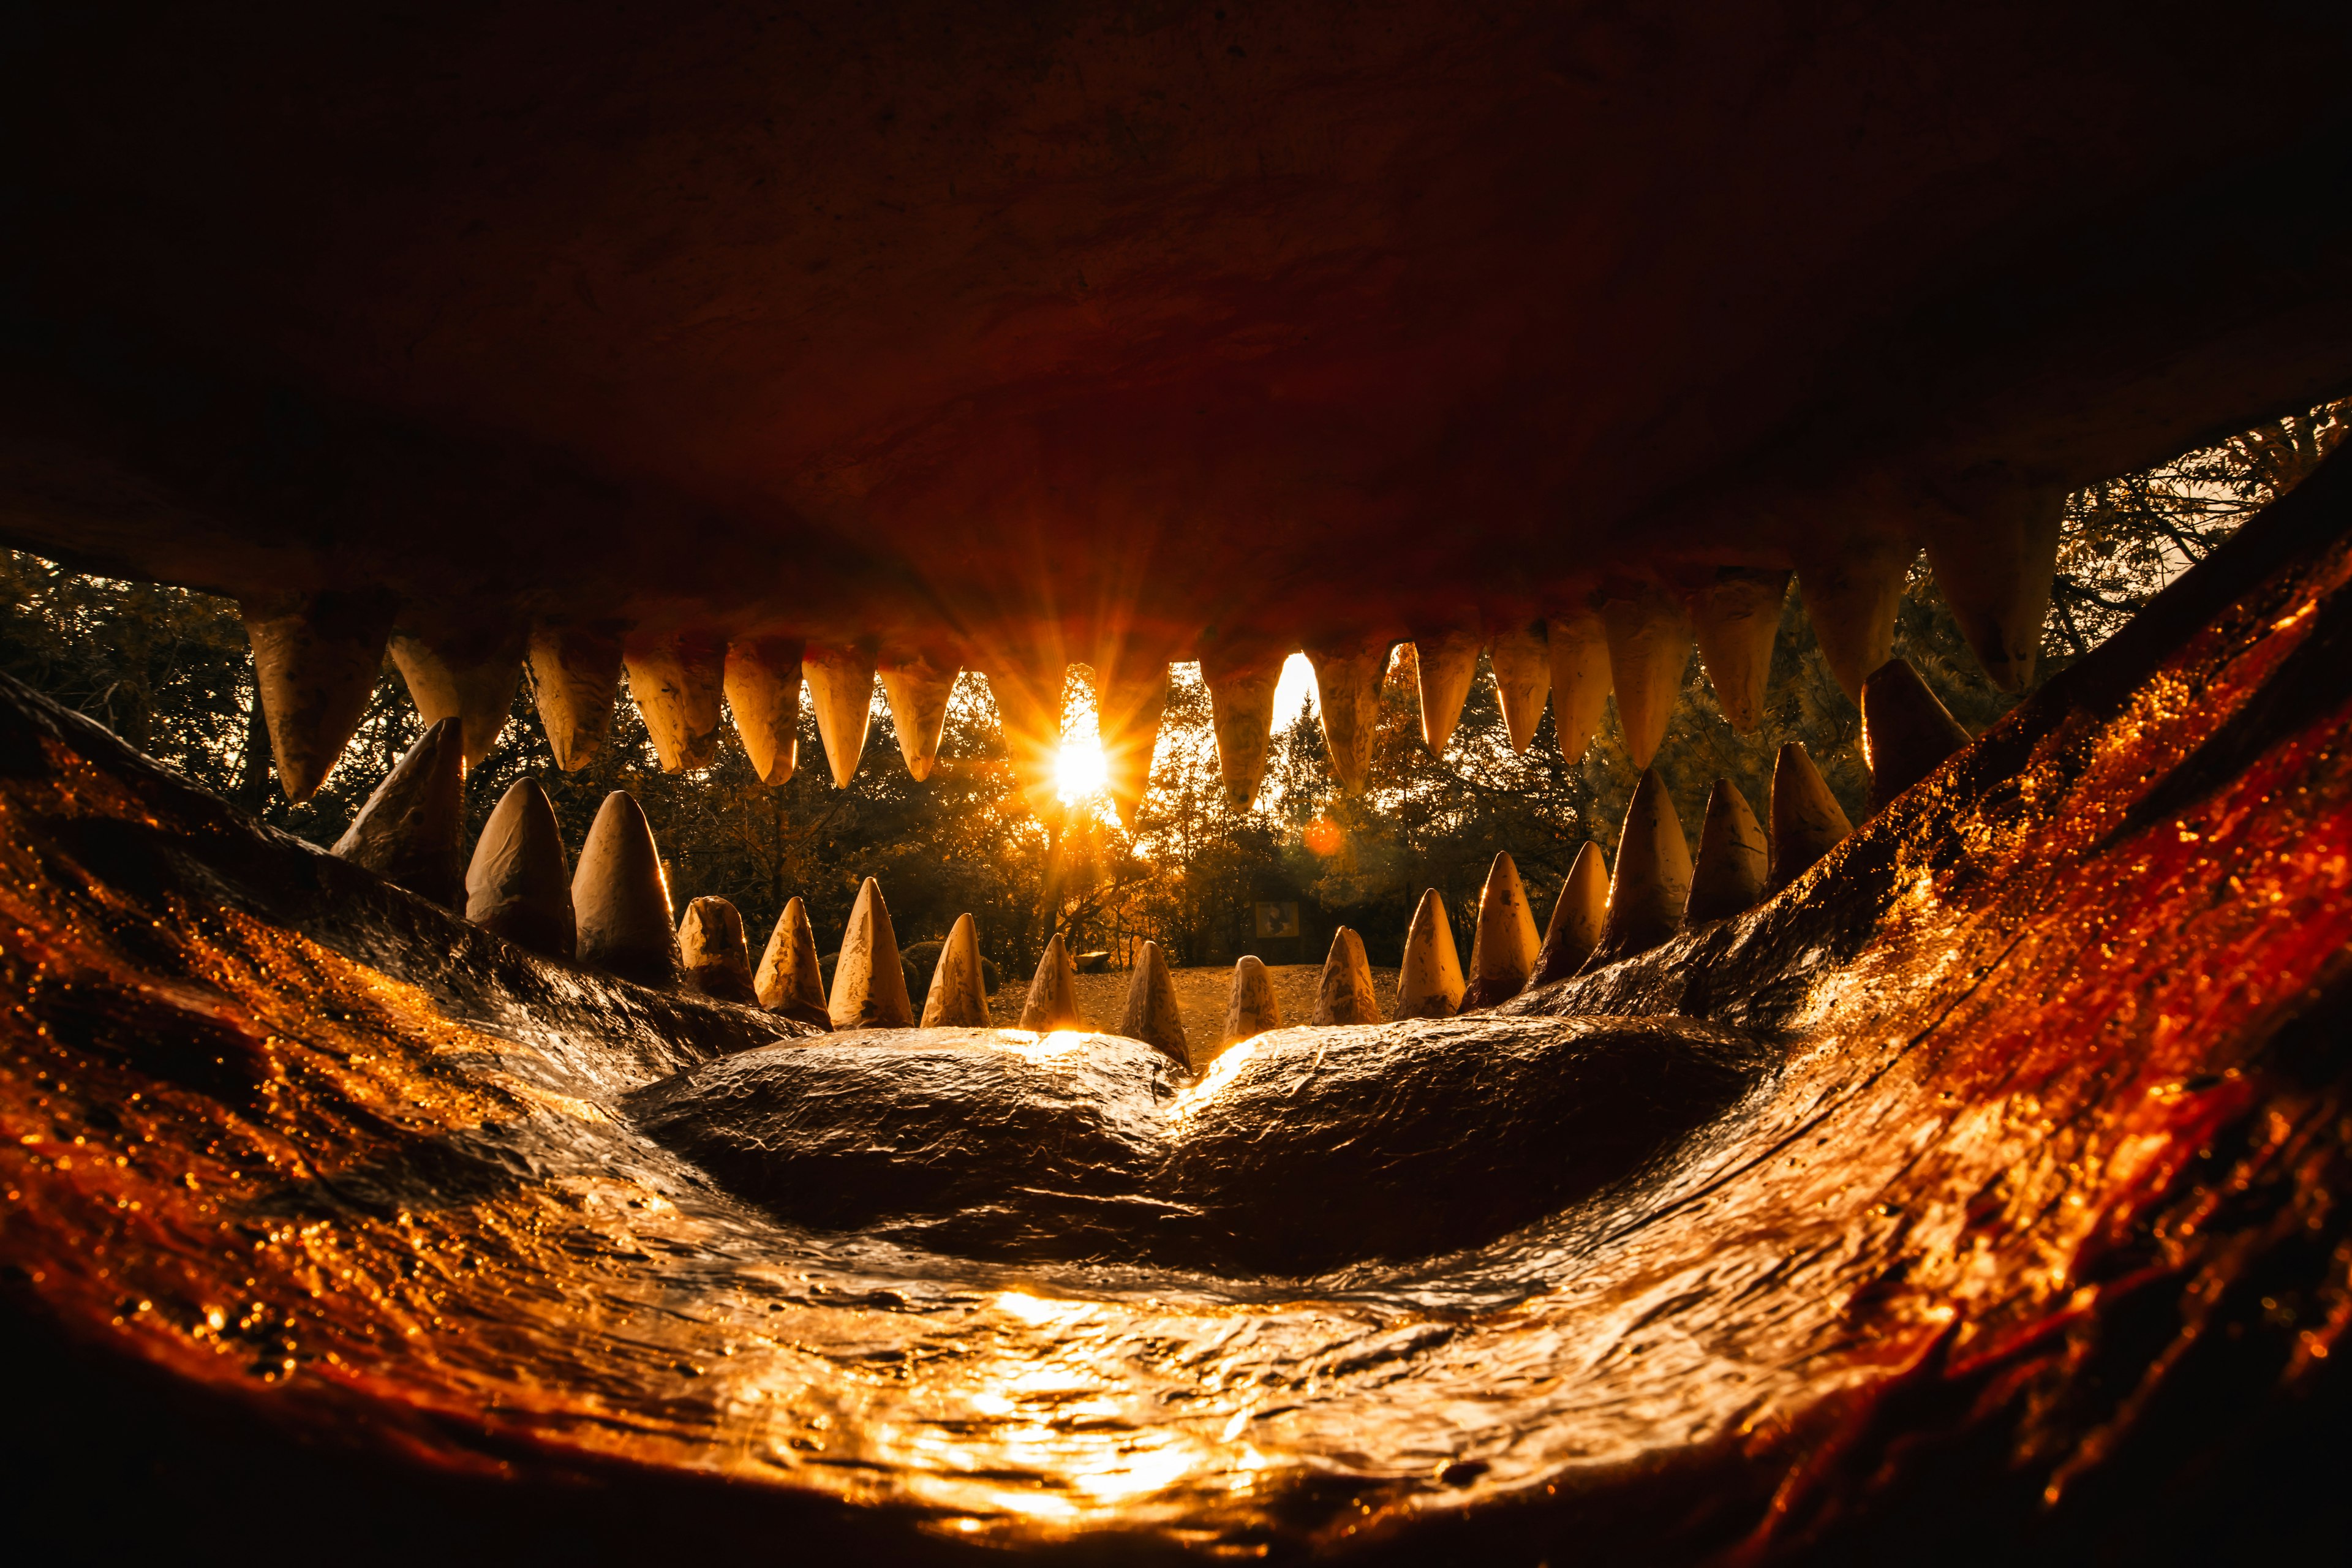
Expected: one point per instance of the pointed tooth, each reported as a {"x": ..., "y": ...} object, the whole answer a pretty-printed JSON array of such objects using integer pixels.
[
  {"x": 1851, "y": 595},
  {"x": 1736, "y": 616},
  {"x": 713, "y": 953},
  {"x": 1653, "y": 880},
  {"x": 1732, "y": 858},
  {"x": 1346, "y": 995},
  {"x": 958, "y": 993},
  {"x": 575, "y": 672},
  {"x": 1028, "y": 693},
  {"x": 1995, "y": 569},
  {"x": 1444, "y": 663},
  {"x": 1429, "y": 986},
  {"x": 676, "y": 682},
  {"x": 1250, "y": 1009},
  {"x": 1503, "y": 953},
  {"x": 1130, "y": 703},
  {"x": 1152, "y": 1016},
  {"x": 1053, "y": 992},
  {"x": 841, "y": 689},
  {"x": 518, "y": 883},
  {"x": 1348, "y": 674},
  {"x": 1806, "y": 821},
  {"x": 1241, "y": 709},
  {"x": 1577, "y": 651},
  {"x": 410, "y": 831},
  {"x": 620, "y": 898},
  {"x": 790, "y": 980},
  {"x": 917, "y": 684},
  {"x": 1907, "y": 732},
  {"x": 1522, "y": 664},
  {"x": 315, "y": 660},
  {"x": 1577, "y": 918},
  {"x": 762, "y": 680},
  {"x": 869, "y": 985},
  {"x": 1649, "y": 634},
  {"x": 462, "y": 674}
]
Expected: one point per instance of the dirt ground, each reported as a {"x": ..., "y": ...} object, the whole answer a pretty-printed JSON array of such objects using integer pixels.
[{"x": 1200, "y": 996}]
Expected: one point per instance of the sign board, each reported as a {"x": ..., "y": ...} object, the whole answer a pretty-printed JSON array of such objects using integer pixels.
[{"x": 1277, "y": 919}]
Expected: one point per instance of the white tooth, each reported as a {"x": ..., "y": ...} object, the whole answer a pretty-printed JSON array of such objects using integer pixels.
[
  {"x": 1445, "y": 662},
  {"x": 869, "y": 985},
  {"x": 1430, "y": 984},
  {"x": 791, "y": 981},
  {"x": 1522, "y": 664},
  {"x": 1241, "y": 709},
  {"x": 917, "y": 684},
  {"x": 1152, "y": 1016},
  {"x": 841, "y": 686},
  {"x": 620, "y": 898},
  {"x": 1577, "y": 650},
  {"x": 1806, "y": 821},
  {"x": 1732, "y": 858},
  {"x": 410, "y": 830},
  {"x": 1851, "y": 588},
  {"x": 1577, "y": 918},
  {"x": 575, "y": 672},
  {"x": 958, "y": 993},
  {"x": 1128, "y": 704},
  {"x": 1250, "y": 1009},
  {"x": 763, "y": 690},
  {"x": 1736, "y": 617},
  {"x": 1503, "y": 952},
  {"x": 1906, "y": 731},
  {"x": 1652, "y": 878},
  {"x": 676, "y": 682},
  {"x": 456, "y": 673},
  {"x": 1347, "y": 672},
  {"x": 518, "y": 884},
  {"x": 1028, "y": 693},
  {"x": 1995, "y": 569},
  {"x": 1346, "y": 995},
  {"x": 711, "y": 948},
  {"x": 315, "y": 660},
  {"x": 1649, "y": 634},
  {"x": 1053, "y": 992}
]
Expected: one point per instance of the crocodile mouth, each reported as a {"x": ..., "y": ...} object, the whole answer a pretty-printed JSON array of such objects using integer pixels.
[{"x": 1966, "y": 1184}]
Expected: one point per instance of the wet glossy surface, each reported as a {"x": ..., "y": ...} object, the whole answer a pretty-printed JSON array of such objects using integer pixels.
[{"x": 2046, "y": 1194}]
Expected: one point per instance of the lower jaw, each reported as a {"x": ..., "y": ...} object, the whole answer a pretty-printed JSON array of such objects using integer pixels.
[{"x": 2030, "y": 1239}]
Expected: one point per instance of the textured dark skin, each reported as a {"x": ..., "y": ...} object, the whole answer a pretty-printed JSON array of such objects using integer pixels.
[{"x": 1313, "y": 1149}]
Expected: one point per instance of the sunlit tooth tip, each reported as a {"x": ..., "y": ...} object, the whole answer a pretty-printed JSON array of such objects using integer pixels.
[
  {"x": 841, "y": 689},
  {"x": 763, "y": 680},
  {"x": 1053, "y": 1001},
  {"x": 1250, "y": 1008},
  {"x": 1241, "y": 709},
  {"x": 1994, "y": 566},
  {"x": 869, "y": 987},
  {"x": 467, "y": 673},
  {"x": 1028, "y": 696},
  {"x": 519, "y": 884},
  {"x": 1576, "y": 648},
  {"x": 917, "y": 685},
  {"x": 1577, "y": 917},
  {"x": 1346, "y": 995},
  {"x": 958, "y": 998},
  {"x": 1736, "y": 616},
  {"x": 1129, "y": 704},
  {"x": 1906, "y": 731},
  {"x": 1503, "y": 951},
  {"x": 677, "y": 683},
  {"x": 620, "y": 898},
  {"x": 790, "y": 980},
  {"x": 1649, "y": 636},
  {"x": 1733, "y": 856},
  {"x": 1806, "y": 821},
  {"x": 1851, "y": 592},
  {"x": 1652, "y": 883},
  {"x": 575, "y": 673},
  {"x": 1152, "y": 1016},
  {"x": 315, "y": 661},
  {"x": 1429, "y": 984},
  {"x": 1445, "y": 662},
  {"x": 1522, "y": 664},
  {"x": 410, "y": 830},
  {"x": 712, "y": 952},
  {"x": 1347, "y": 673}
]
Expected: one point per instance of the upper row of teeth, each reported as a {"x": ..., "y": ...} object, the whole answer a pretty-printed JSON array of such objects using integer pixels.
[{"x": 318, "y": 654}]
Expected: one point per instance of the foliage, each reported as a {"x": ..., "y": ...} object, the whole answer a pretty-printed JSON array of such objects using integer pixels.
[{"x": 167, "y": 668}]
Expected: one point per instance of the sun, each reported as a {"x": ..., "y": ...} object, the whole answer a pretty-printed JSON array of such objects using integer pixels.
[{"x": 1080, "y": 772}]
